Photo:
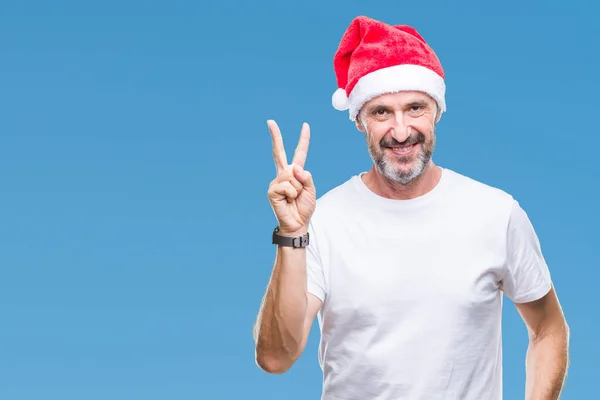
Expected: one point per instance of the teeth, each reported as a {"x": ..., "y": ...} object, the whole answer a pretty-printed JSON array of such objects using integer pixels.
[{"x": 404, "y": 149}]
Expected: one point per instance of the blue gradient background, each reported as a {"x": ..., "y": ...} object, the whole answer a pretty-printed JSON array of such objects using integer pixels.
[{"x": 135, "y": 159}]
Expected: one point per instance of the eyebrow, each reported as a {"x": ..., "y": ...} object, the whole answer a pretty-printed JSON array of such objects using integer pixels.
[
  {"x": 378, "y": 106},
  {"x": 418, "y": 102},
  {"x": 422, "y": 103}
]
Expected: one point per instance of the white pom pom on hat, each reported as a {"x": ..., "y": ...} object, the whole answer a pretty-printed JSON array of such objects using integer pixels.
[{"x": 339, "y": 100}]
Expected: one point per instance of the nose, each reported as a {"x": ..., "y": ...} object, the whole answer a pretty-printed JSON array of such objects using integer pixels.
[{"x": 400, "y": 129}]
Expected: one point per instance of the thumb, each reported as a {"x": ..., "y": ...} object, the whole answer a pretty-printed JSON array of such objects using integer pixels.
[{"x": 303, "y": 176}]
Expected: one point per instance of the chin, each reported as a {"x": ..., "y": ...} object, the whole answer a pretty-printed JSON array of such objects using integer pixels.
[
  {"x": 402, "y": 171},
  {"x": 400, "y": 175}
]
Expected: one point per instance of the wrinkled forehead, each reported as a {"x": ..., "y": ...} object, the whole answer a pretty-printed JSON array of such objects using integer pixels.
[{"x": 400, "y": 100}]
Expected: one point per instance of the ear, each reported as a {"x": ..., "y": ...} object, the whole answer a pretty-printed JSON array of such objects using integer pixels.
[{"x": 359, "y": 125}]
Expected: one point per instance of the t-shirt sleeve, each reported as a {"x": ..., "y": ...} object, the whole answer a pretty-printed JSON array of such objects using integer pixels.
[
  {"x": 527, "y": 277},
  {"x": 315, "y": 278}
]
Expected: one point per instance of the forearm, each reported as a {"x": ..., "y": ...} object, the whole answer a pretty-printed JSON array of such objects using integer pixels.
[
  {"x": 547, "y": 363},
  {"x": 279, "y": 333}
]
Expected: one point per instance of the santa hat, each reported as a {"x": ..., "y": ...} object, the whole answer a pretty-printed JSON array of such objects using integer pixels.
[{"x": 375, "y": 58}]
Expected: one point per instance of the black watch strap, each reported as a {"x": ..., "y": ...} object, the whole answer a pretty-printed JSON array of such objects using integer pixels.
[{"x": 290, "y": 241}]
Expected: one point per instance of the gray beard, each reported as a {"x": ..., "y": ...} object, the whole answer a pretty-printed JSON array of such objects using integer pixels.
[{"x": 388, "y": 169}]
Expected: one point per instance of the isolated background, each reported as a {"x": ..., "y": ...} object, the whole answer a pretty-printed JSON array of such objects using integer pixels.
[{"x": 135, "y": 159}]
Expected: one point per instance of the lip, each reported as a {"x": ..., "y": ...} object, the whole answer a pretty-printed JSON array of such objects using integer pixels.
[{"x": 404, "y": 153}]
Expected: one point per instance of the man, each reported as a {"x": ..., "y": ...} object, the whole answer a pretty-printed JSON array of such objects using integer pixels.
[{"x": 404, "y": 265}]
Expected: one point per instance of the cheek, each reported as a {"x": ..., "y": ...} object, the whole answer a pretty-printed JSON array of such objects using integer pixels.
[
  {"x": 378, "y": 130},
  {"x": 425, "y": 127}
]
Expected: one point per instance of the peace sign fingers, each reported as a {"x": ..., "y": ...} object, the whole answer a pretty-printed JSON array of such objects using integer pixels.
[{"x": 292, "y": 193}]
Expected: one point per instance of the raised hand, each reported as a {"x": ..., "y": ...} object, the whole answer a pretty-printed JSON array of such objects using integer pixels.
[{"x": 292, "y": 193}]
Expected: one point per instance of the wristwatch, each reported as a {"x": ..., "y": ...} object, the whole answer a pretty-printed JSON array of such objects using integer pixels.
[{"x": 290, "y": 241}]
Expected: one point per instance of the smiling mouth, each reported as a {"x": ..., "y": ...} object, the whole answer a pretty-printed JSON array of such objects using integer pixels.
[{"x": 402, "y": 150}]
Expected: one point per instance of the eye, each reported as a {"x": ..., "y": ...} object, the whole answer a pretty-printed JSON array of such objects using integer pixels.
[
  {"x": 380, "y": 112},
  {"x": 417, "y": 109}
]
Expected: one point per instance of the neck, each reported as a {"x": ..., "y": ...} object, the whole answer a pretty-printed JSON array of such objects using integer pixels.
[{"x": 421, "y": 185}]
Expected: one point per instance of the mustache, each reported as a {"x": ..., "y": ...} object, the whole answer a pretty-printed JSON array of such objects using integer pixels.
[{"x": 412, "y": 139}]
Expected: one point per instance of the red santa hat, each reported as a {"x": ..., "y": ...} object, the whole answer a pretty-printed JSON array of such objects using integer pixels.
[{"x": 375, "y": 58}]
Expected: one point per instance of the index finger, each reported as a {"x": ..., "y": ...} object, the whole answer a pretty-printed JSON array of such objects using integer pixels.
[
  {"x": 278, "y": 149},
  {"x": 302, "y": 148}
]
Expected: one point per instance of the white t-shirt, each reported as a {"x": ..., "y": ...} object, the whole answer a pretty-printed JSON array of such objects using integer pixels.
[{"x": 412, "y": 289}]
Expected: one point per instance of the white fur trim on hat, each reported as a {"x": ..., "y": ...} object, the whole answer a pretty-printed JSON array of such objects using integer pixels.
[{"x": 395, "y": 79}]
